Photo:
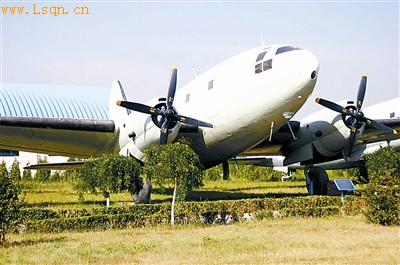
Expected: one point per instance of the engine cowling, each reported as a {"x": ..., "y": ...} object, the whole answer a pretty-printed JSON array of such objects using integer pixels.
[
  {"x": 149, "y": 137},
  {"x": 325, "y": 136}
]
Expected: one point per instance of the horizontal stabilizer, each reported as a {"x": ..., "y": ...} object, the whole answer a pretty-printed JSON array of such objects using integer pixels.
[{"x": 57, "y": 166}]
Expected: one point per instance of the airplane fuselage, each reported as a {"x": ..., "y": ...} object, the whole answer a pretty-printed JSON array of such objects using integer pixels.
[{"x": 246, "y": 98}]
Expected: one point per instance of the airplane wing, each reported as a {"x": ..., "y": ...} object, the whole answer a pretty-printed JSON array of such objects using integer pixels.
[
  {"x": 56, "y": 120},
  {"x": 58, "y": 136},
  {"x": 371, "y": 135}
]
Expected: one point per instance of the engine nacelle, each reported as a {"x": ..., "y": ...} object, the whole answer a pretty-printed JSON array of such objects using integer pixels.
[
  {"x": 142, "y": 131},
  {"x": 328, "y": 136},
  {"x": 149, "y": 137}
]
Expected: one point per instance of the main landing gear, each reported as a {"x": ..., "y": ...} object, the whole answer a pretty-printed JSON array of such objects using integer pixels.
[
  {"x": 225, "y": 170},
  {"x": 316, "y": 180}
]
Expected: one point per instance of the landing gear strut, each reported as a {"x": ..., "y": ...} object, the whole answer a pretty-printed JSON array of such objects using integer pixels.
[
  {"x": 225, "y": 170},
  {"x": 316, "y": 180}
]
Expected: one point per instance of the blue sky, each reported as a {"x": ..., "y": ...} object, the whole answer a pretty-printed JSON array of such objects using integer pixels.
[{"x": 137, "y": 42}]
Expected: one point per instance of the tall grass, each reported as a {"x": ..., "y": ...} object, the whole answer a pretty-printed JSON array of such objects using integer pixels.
[{"x": 338, "y": 240}]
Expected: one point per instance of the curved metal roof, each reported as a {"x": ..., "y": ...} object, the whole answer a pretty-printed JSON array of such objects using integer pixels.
[{"x": 54, "y": 101}]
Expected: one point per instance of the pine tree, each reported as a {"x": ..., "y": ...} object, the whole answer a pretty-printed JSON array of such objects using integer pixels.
[{"x": 15, "y": 172}]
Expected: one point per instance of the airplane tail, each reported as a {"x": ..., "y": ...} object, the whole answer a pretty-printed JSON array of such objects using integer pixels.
[{"x": 115, "y": 112}]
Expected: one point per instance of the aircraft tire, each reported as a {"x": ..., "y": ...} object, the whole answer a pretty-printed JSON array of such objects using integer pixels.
[{"x": 320, "y": 180}]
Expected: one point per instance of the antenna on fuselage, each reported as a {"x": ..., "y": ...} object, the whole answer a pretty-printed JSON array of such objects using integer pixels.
[
  {"x": 262, "y": 39},
  {"x": 237, "y": 45},
  {"x": 194, "y": 71}
]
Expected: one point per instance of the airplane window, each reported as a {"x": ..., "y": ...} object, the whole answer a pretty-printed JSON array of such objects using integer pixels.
[
  {"x": 210, "y": 84},
  {"x": 261, "y": 56},
  {"x": 267, "y": 65},
  {"x": 187, "y": 98},
  {"x": 258, "y": 68},
  {"x": 286, "y": 49}
]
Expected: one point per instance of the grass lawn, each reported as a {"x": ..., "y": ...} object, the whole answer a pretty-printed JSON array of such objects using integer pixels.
[
  {"x": 337, "y": 240},
  {"x": 62, "y": 195}
]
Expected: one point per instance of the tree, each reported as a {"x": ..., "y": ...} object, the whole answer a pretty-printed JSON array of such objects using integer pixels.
[
  {"x": 110, "y": 174},
  {"x": 175, "y": 164},
  {"x": 10, "y": 203}
]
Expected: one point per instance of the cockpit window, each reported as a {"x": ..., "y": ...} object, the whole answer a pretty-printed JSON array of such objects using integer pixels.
[
  {"x": 267, "y": 65},
  {"x": 261, "y": 56},
  {"x": 261, "y": 63},
  {"x": 286, "y": 49},
  {"x": 258, "y": 68},
  {"x": 264, "y": 66}
]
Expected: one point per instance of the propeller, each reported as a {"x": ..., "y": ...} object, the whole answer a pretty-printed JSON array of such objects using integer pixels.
[
  {"x": 356, "y": 114},
  {"x": 164, "y": 115}
]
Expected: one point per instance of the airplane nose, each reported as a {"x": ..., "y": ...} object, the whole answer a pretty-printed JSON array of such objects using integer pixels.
[
  {"x": 300, "y": 68},
  {"x": 308, "y": 64}
]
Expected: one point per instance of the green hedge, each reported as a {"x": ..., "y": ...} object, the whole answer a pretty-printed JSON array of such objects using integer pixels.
[
  {"x": 39, "y": 214},
  {"x": 139, "y": 210},
  {"x": 95, "y": 222},
  {"x": 45, "y": 220}
]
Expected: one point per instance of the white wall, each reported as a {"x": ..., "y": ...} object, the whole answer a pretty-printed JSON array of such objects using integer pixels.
[{"x": 26, "y": 158}]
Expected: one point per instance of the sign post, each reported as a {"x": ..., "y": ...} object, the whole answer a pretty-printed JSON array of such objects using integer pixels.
[{"x": 344, "y": 185}]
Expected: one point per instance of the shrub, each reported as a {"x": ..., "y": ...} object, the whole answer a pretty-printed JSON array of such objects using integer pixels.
[
  {"x": 382, "y": 194},
  {"x": 213, "y": 174},
  {"x": 382, "y": 200},
  {"x": 381, "y": 162},
  {"x": 255, "y": 173}
]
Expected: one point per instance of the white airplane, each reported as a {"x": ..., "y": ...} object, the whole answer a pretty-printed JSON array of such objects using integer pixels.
[{"x": 239, "y": 107}]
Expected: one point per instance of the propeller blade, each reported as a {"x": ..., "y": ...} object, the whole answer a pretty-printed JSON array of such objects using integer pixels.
[
  {"x": 378, "y": 126},
  {"x": 172, "y": 86},
  {"x": 138, "y": 107},
  {"x": 164, "y": 132},
  {"x": 352, "y": 138},
  {"x": 361, "y": 91},
  {"x": 333, "y": 106},
  {"x": 192, "y": 121}
]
